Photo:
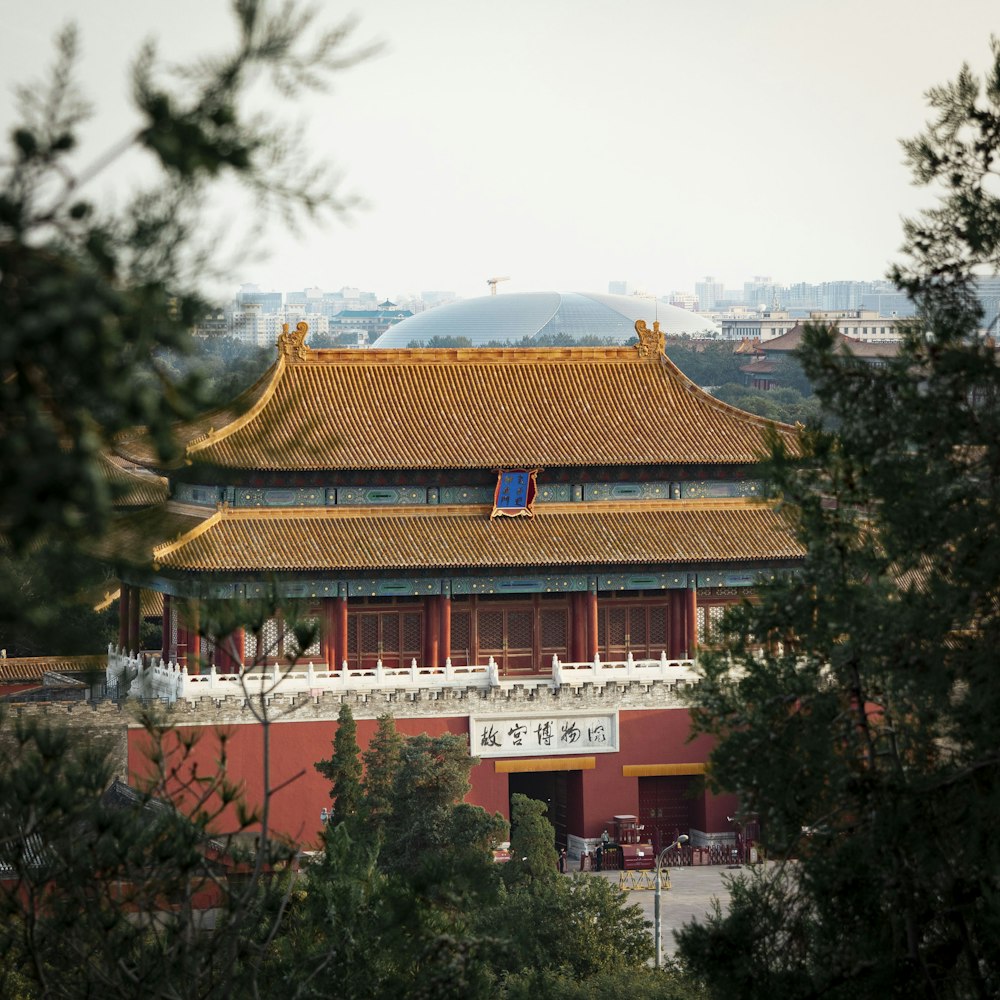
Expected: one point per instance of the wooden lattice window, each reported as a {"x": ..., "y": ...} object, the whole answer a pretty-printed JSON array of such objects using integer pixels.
[
  {"x": 709, "y": 618},
  {"x": 368, "y": 634},
  {"x": 658, "y": 628},
  {"x": 553, "y": 629},
  {"x": 291, "y": 646},
  {"x": 637, "y": 628},
  {"x": 519, "y": 628},
  {"x": 412, "y": 634},
  {"x": 616, "y": 628},
  {"x": 250, "y": 647},
  {"x": 270, "y": 641},
  {"x": 461, "y": 636},
  {"x": 491, "y": 630},
  {"x": 208, "y": 648}
]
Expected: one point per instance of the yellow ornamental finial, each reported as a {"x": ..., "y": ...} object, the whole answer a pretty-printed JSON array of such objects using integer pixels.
[
  {"x": 292, "y": 346},
  {"x": 651, "y": 342}
]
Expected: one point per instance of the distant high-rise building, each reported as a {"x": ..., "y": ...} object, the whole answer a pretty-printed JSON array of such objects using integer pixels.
[
  {"x": 710, "y": 294},
  {"x": 617, "y": 288},
  {"x": 760, "y": 292}
]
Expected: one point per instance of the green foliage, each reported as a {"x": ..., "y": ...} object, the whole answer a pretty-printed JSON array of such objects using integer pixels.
[
  {"x": 91, "y": 297},
  {"x": 381, "y": 765},
  {"x": 636, "y": 983},
  {"x": 788, "y": 406},
  {"x": 99, "y": 887},
  {"x": 47, "y": 597},
  {"x": 433, "y": 775},
  {"x": 442, "y": 342},
  {"x": 863, "y": 735},
  {"x": 579, "y": 927},
  {"x": 532, "y": 842},
  {"x": 343, "y": 769},
  {"x": 707, "y": 364}
]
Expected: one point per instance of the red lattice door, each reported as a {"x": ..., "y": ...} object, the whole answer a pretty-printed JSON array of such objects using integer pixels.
[
  {"x": 639, "y": 629},
  {"x": 507, "y": 634},
  {"x": 389, "y": 636}
]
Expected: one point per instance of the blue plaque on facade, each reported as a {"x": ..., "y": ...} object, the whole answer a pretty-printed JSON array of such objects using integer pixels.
[{"x": 515, "y": 493}]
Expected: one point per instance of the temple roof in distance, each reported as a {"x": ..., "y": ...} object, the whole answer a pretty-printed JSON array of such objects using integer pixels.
[
  {"x": 465, "y": 537},
  {"x": 469, "y": 408}
]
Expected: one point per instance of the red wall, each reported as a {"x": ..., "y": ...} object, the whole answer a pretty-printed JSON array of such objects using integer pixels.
[{"x": 657, "y": 736}]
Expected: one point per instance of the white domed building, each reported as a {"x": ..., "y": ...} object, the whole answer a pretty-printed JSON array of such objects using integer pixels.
[{"x": 510, "y": 318}]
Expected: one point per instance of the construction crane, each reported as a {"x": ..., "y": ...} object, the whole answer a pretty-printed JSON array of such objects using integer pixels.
[{"x": 493, "y": 282}]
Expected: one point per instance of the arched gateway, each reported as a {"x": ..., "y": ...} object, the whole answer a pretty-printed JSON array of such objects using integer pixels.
[{"x": 556, "y": 526}]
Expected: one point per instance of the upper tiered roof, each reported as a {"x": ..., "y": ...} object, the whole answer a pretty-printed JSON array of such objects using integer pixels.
[{"x": 469, "y": 408}]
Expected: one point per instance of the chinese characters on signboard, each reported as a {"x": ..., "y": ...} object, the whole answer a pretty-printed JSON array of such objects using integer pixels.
[
  {"x": 536, "y": 735},
  {"x": 515, "y": 493}
]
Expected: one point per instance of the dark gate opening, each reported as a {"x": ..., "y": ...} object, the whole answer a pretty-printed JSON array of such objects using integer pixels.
[{"x": 549, "y": 787}]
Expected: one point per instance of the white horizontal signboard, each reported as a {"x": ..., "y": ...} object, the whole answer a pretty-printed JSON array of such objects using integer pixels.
[{"x": 534, "y": 735}]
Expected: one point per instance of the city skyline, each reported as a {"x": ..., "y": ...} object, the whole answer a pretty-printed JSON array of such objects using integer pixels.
[{"x": 571, "y": 144}]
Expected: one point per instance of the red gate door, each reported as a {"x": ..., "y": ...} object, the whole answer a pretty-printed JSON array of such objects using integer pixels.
[
  {"x": 665, "y": 807},
  {"x": 506, "y": 634}
]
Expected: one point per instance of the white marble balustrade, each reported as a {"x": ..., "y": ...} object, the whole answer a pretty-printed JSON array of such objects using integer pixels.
[{"x": 148, "y": 676}]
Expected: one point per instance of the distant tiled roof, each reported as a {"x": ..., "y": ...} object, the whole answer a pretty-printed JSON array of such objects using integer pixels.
[
  {"x": 34, "y": 668},
  {"x": 792, "y": 340},
  {"x": 459, "y": 409},
  {"x": 134, "y": 487},
  {"x": 559, "y": 535},
  {"x": 131, "y": 536}
]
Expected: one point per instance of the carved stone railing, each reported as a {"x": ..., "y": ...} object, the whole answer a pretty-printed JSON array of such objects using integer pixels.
[{"x": 148, "y": 676}]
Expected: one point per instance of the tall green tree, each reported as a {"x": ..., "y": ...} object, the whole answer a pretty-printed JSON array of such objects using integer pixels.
[
  {"x": 532, "y": 842},
  {"x": 863, "y": 734},
  {"x": 343, "y": 769},
  {"x": 381, "y": 761},
  {"x": 433, "y": 775}
]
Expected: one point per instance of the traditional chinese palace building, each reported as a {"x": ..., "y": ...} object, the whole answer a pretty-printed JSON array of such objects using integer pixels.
[{"x": 526, "y": 546}]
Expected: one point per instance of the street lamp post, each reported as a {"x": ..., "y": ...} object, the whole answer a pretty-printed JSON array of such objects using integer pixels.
[{"x": 682, "y": 839}]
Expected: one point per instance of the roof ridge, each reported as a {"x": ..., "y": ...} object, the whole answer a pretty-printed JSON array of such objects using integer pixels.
[
  {"x": 472, "y": 510},
  {"x": 160, "y": 551},
  {"x": 420, "y": 356},
  {"x": 213, "y": 436}
]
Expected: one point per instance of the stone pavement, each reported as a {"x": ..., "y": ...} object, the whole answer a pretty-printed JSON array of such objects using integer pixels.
[{"x": 689, "y": 897}]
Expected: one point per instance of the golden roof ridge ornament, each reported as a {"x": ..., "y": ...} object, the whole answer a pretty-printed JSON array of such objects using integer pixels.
[
  {"x": 292, "y": 346},
  {"x": 651, "y": 342}
]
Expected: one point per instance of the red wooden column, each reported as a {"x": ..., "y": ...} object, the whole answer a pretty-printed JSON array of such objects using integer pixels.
[
  {"x": 432, "y": 637},
  {"x": 578, "y": 626},
  {"x": 328, "y": 628},
  {"x": 445, "y": 628},
  {"x": 194, "y": 639},
  {"x": 123, "y": 617},
  {"x": 341, "y": 648},
  {"x": 691, "y": 616},
  {"x": 591, "y": 605},
  {"x": 239, "y": 645},
  {"x": 675, "y": 636},
  {"x": 134, "y": 614}
]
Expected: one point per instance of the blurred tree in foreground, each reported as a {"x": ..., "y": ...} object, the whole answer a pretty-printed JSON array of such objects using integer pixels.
[
  {"x": 103, "y": 888},
  {"x": 96, "y": 304},
  {"x": 864, "y": 734}
]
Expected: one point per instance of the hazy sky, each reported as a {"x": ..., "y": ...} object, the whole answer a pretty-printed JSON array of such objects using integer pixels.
[{"x": 567, "y": 144}]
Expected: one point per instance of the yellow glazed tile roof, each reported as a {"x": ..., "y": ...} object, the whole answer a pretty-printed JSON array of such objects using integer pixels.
[
  {"x": 409, "y": 538},
  {"x": 470, "y": 408}
]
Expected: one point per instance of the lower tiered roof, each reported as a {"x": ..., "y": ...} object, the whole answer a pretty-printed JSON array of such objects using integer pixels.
[{"x": 465, "y": 537}]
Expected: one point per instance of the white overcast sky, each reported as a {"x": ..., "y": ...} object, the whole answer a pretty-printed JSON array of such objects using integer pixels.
[{"x": 567, "y": 144}]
